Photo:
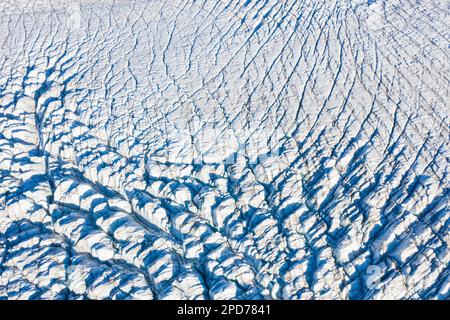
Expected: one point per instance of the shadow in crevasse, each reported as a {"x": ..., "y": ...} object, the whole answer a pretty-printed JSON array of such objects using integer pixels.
[
  {"x": 432, "y": 213},
  {"x": 23, "y": 239}
]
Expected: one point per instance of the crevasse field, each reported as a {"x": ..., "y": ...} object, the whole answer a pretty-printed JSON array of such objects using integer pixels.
[{"x": 224, "y": 149}]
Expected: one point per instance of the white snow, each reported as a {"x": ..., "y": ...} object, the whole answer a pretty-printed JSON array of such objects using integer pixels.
[{"x": 215, "y": 150}]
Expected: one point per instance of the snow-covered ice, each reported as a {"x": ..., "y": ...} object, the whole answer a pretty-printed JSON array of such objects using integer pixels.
[{"x": 204, "y": 149}]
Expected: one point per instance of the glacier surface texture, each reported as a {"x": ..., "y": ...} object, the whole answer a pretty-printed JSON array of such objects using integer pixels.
[{"x": 230, "y": 149}]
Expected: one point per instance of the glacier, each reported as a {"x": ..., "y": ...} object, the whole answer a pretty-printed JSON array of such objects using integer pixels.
[{"x": 212, "y": 149}]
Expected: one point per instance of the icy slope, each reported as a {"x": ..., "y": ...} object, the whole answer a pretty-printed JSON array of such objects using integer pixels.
[{"x": 193, "y": 149}]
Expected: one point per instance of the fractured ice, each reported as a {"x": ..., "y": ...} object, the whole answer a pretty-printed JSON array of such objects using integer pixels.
[{"x": 210, "y": 149}]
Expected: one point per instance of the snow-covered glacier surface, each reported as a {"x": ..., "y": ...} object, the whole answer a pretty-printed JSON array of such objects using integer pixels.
[{"x": 238, "y": 149}]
